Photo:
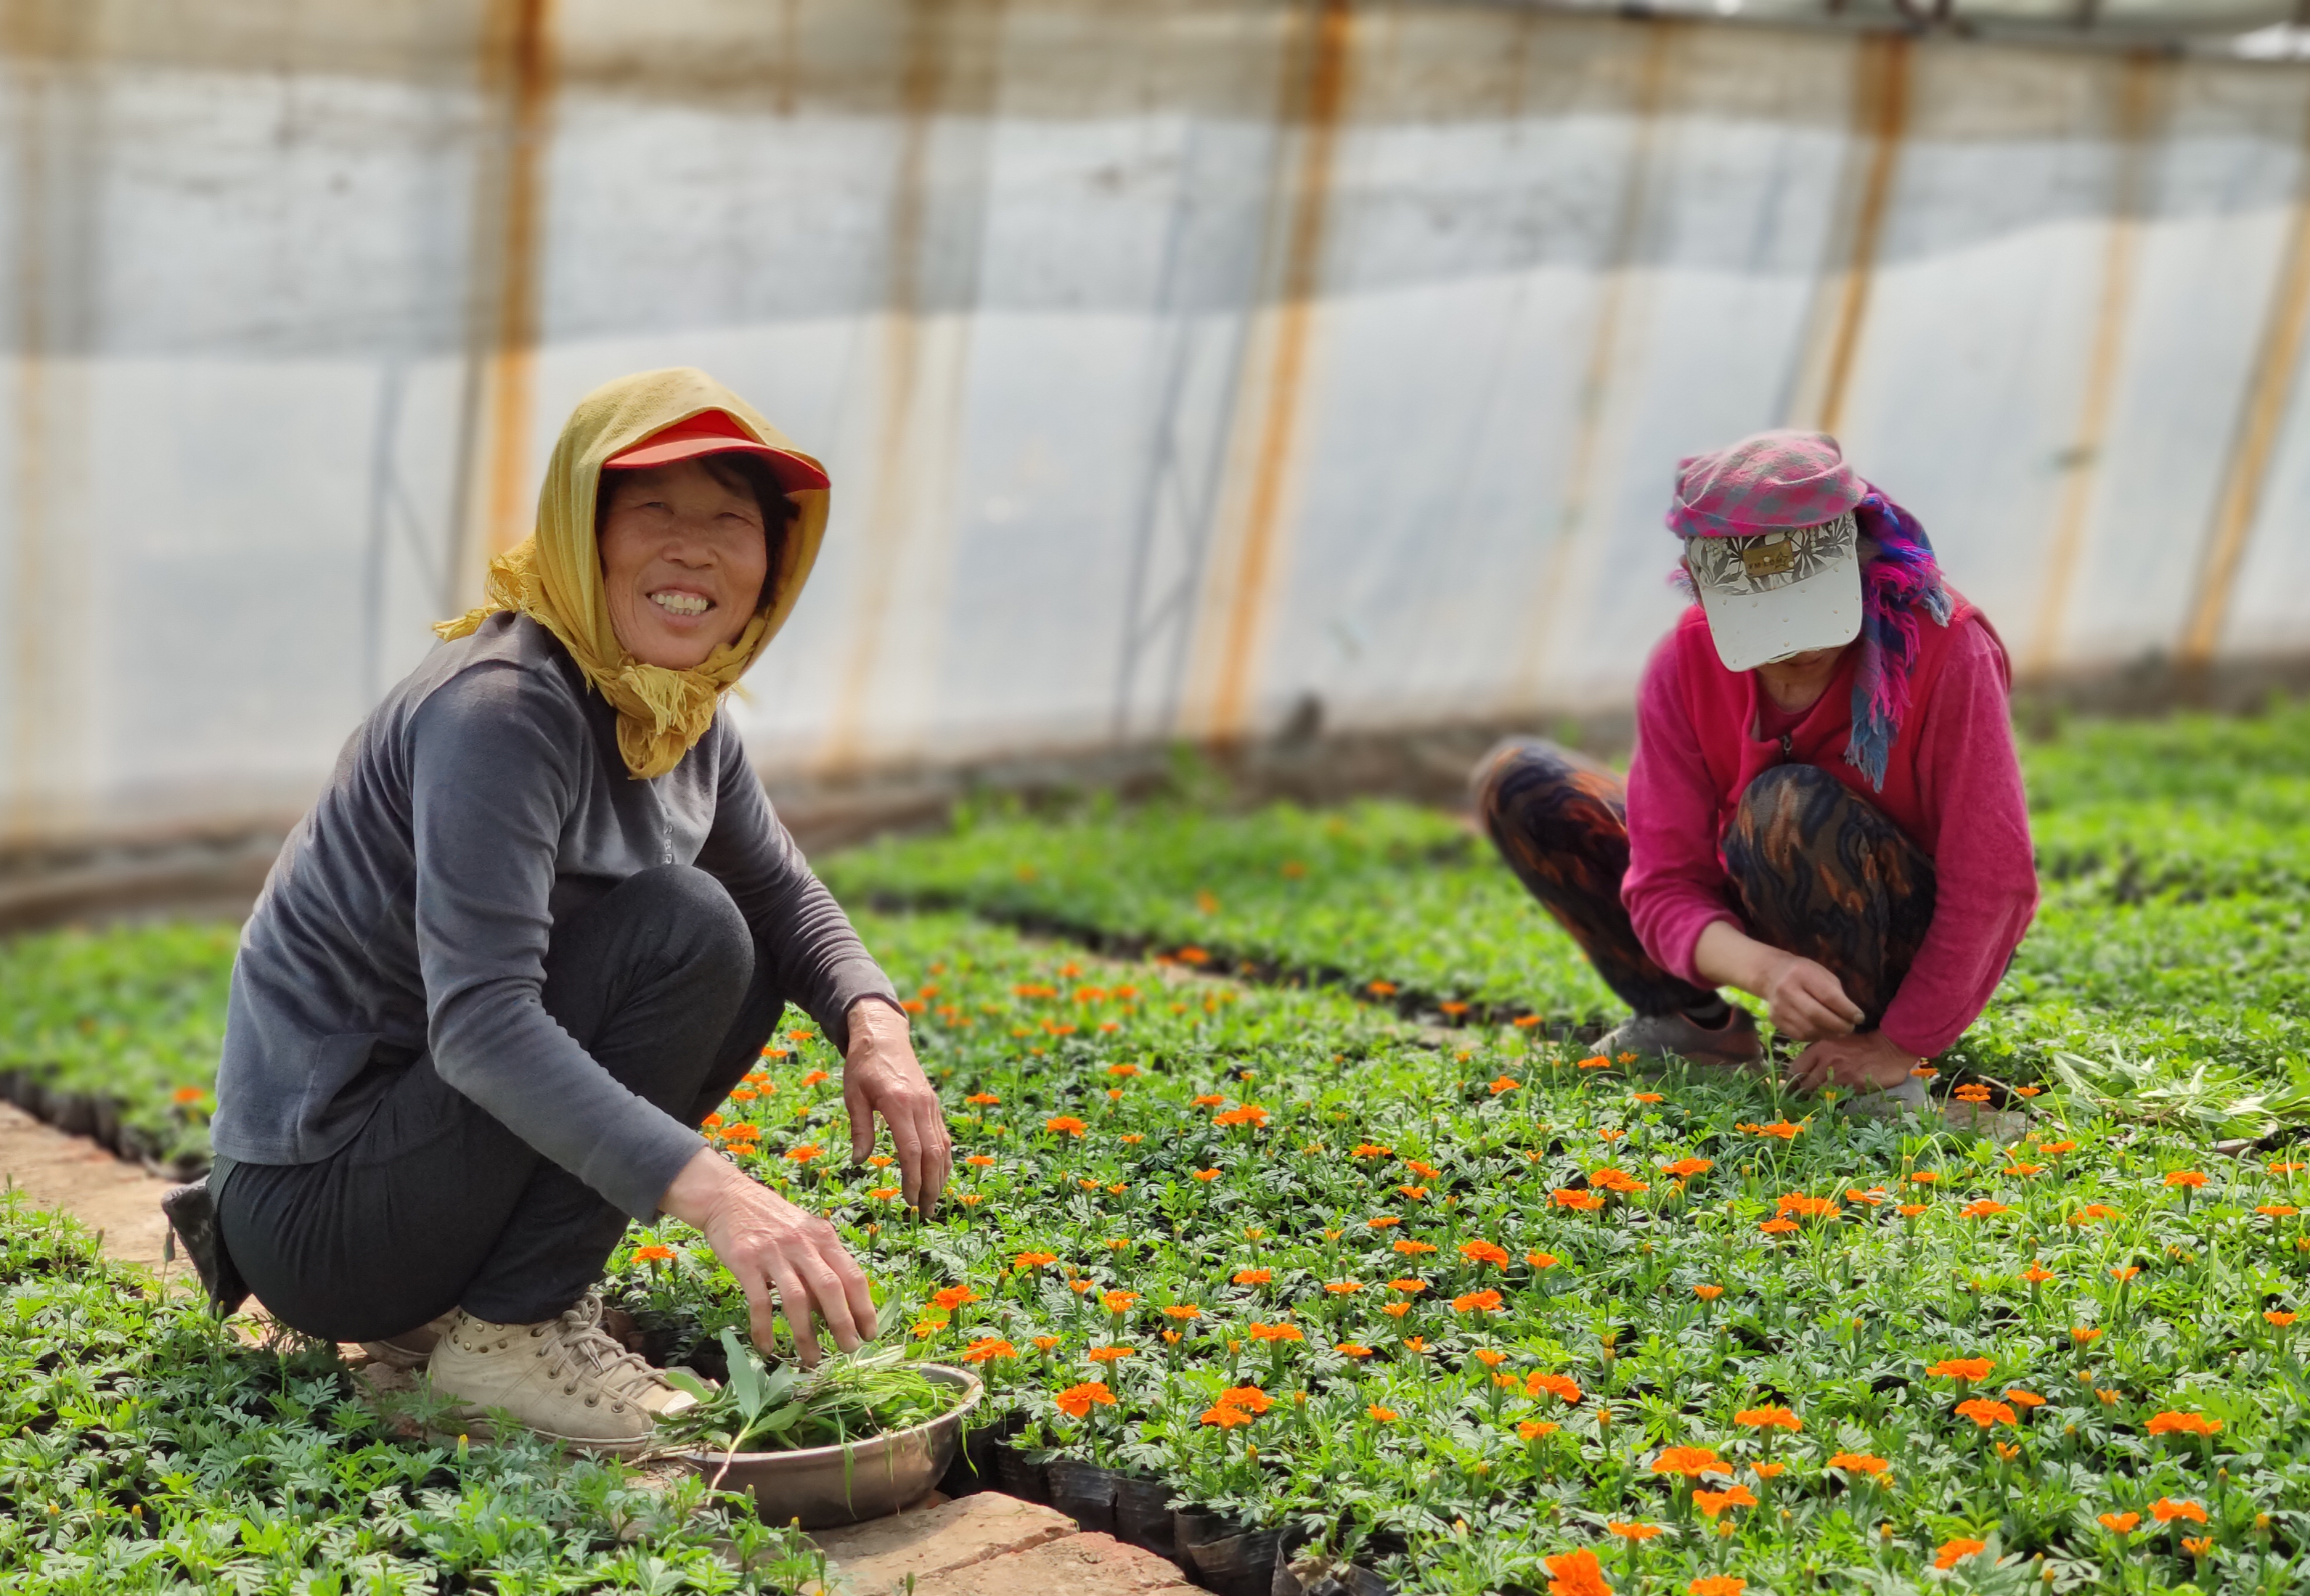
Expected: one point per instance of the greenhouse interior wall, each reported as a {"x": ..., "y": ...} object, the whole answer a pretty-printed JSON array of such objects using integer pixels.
[{"x": 1187, "y": 371}]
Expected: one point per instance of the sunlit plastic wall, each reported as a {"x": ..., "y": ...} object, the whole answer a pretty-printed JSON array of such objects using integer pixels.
[{"x": 1173, "y": 362}]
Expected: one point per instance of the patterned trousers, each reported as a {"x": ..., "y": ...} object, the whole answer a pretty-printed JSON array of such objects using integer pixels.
[{"x": 1816, "y": 870}]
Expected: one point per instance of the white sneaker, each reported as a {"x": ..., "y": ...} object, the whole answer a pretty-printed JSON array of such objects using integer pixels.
[
  {"x": 565, "y": 1379},
  {"x": 410, "y": 1348}
]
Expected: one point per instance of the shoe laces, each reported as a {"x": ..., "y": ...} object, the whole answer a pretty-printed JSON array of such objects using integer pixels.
[{"x": 579, "y": 1341}]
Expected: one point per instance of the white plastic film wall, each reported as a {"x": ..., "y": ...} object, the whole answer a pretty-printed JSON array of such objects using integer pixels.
[{"x": 1172, "y": 361}]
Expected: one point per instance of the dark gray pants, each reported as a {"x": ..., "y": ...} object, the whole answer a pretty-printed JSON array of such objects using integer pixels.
[{"x": 436, "y": 1205}]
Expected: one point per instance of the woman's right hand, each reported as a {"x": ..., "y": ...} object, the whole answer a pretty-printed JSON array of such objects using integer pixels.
[
  {"x": 1807, "y": 1002},
  {"x": 772, "y": 1246}
]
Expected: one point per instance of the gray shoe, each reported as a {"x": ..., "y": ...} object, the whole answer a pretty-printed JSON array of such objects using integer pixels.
[{"x": 1731, "y": 1046}]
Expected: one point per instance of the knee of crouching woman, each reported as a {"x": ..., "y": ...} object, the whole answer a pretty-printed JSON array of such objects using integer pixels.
[{"x": 1516, "y": 767}]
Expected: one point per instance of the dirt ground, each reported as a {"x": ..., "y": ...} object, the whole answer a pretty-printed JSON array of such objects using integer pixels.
[{"x": 72, "y": 1173}]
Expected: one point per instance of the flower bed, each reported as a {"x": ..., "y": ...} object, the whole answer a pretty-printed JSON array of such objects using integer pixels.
[
  {"x": 1463, "y": 1304},
  {"x": 142, "y": 1450}
]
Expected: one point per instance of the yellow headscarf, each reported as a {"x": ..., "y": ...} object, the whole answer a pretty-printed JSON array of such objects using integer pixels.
[{"x": 554, "y": 575}]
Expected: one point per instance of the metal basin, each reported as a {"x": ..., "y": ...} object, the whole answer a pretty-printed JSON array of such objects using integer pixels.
[{"x": 825, "y": 1486}]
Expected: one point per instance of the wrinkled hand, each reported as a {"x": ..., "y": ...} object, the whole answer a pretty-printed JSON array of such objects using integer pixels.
[
  {"x": 770, "y": 1245},
  {"x": 880, "y": 1076},
  {"x": 1808, "y": 1002},
  {"x": 1867, "y": 1059}
]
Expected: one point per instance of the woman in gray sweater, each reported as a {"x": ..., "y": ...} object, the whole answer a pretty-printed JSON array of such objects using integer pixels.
[{"x": 540, "y": 923}]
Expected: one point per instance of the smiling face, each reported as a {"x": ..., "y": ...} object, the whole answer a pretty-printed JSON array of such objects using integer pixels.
[{"x": 683, "y": 558}]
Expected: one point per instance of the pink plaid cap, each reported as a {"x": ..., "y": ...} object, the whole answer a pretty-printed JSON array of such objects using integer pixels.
[{"x": 1767, "y": 481}]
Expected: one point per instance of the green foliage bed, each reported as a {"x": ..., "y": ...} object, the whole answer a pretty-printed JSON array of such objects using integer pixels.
[
  {"x": 1316, "y": 1265},
  {"x": 142, "y": 1450}
]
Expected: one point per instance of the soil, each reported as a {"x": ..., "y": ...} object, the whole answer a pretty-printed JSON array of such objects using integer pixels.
[{"x": 118, "y": 1199}]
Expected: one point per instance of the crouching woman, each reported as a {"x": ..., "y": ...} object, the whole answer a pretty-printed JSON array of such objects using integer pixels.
[
  {"x": 539, "y": 924},
  {"x": 1825, "y": 808}
]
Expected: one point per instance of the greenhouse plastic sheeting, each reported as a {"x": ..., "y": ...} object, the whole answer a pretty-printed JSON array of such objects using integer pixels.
[{"x": 1174, "y": 362}]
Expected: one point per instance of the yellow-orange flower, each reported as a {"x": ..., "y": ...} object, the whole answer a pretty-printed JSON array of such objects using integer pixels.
[{"x": 1076, "y": 1401}]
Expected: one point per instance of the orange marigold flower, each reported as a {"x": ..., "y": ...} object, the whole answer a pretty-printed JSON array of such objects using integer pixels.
[
  {"x": 2166, "y": 1510},
  {"x": 1382, "y": 1222},
  {"x": 1110, "y": 1354},
  {"x": 989, "y": 1348},
  {"x": 1414, "y": 1192},
  {"x": 1577, "y": 1573},
  {"x": 1966, "y": 1369},
  {"x": 1708, "y": 1293},
  {"x": 1066, "y": 1124},
  {"x": 954, "y": 1297},
  {"x": 1380, "y": 1415},
  {"x": 1485, "y": 1252},
  {"x": 1647, "y": 1097},
  {"x": 1045, "y": 1343},
  {"x": 2277, "y": 1211},
  {"x": 979, "y": 1161},
  {"x": 814, "y": 1077},
  {"x": 2037, "y": 1275},
  {"x": 1859, "y": 1462},
  {"x": 1580, "y": 1201},
  {"x": 2277, "y": 1316},
  {"x": 1540, "y": 1260},
  {"x": 1717, "y": 1584},
  {"x": 1370, "y": 1149},
  {"x": 803, "y": 1154},
  {"x": 1712, "y": 1502},
  {"x": 1599, "y": 1062},
  {"x": 1808, "y": 1207},
  {"x": 1116, "y": 1302},
  {"x": 1924, "y": 1178},
  {"x": 193, "y": 1094},
  {"x": 1779, "y": 1227},
  {"x": 2198, "y": 1546},
  {"x": 1874, "y": 1196},
  {"x": 1562, "y": 1387},
  {"x": 1351, "y": 1349},
  {"x": 1691, "y": 1461},
  {"x": 1768, "y": 1418},
  {"x": 1076, "y": 1401},
  {"x": 1225, "y": 1416},
  {"x": 1532, "y": 1429},
  {"x": 2025, "y": 1169},
  {"x": 1024, "y": 1261},
  {"x": 1123, "y": 1072},
  {"x": 1984, "y": 1412},
  {"x": 1408, "y": 1284},
  {"x": 2184, "y": 1177},
  {"x": 2173, "y": 1423},
  {"x": 1982, "y": 1210},
  {"x": 1395, "y": 1310},
  {"x": 2092, "y": 1211},
  {"x": 1246, "y": 1113},
  {"x": 1616, "y": 1180},
  {"x": 1768, "y": 1471},
  {"x": 1275, "y": 1333},
  {"x": 2082, "y": 1336},
  {"x": 1344, "y": 1287},
  {"x": 1249, "y": 1398},
  {"x": 1477, "y": 1302},
  {"x": 1254, "y": 1276},
  {"x": 1183, "y": 1310},
  {"x": 1632, "y": 1531},
  {"x": 982, "y": 1099},
  {"x": 2277, "y": 1168},
  {"x": 1412, "y": 1249},
  {"x": 2121, "y": 1524},
  {"x": 1505, "y": 1084},
  {"x": 2023, "y": 1399},
  {"x": 1686, "y": 1168},
  {"x": 2125, "y": 1271},
  {"x": 1954, "y": 1552}
]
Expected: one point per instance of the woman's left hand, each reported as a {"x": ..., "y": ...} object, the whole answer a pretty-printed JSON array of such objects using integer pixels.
[
  {"x": 1865, "y": 1060},
  {"x": 880, "y": 1076}
]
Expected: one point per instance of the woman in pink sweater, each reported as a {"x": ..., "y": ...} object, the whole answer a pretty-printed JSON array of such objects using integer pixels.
[{"x": 1825, "y": 808}]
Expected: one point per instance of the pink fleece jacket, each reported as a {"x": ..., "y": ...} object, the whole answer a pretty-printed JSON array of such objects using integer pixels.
[{"x": 1954, "y": 789}]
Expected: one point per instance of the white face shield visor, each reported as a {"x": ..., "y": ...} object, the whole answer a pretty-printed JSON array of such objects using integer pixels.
[{"x": 1779, "y": 593}]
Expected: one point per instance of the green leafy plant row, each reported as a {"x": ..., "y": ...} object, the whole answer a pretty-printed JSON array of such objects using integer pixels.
[
  {"x": 1496, "y": 1316},
  {"x": 143, "y": 1449}
]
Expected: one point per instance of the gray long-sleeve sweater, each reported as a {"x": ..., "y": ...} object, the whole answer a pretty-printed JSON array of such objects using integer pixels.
[{"x": 482, "y": 800}]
